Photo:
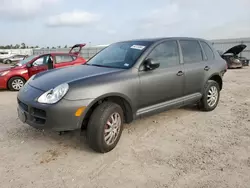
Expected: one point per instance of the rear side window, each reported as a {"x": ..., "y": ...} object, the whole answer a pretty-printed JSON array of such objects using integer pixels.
[
  {"x": 208, "y": 51},
  {"x": 63, "y": 58},
  {"x": 166, "y": 53},
  {"x": 191, "y": 51}
]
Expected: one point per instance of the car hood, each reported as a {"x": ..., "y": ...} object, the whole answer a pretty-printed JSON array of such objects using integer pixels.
[
  {"x": 52, "y": 78},
  {"x": 236, "y": 49},
  {"x": 4, "y": 68},
  {"x": 12, "y": 67}
]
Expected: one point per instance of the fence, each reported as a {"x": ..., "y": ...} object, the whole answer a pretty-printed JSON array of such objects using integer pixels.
[
  {"x": 224, "y": 45},
  {"x": 18, "y": 51},
  {"x": 88, "y": 52},
  {"x": 221, "y": 45}
]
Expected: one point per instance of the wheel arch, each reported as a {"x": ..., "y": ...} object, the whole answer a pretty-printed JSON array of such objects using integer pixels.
[
  {"x": 13, "y": 77},
  {"x": 217, "y": 78},
  {"x": 117, "y": 98}
]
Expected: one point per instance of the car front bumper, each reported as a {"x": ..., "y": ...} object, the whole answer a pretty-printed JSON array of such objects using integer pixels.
[
  {"x": 57, "y": 117},
  {"x": 3, "y": 82}
]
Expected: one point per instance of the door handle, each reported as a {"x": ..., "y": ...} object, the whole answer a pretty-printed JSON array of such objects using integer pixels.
[
  {"x": 206, "y": 68},
  {"x": 180, "y": 73}
]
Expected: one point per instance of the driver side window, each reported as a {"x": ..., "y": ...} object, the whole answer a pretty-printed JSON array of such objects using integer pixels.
[
  {"x": 41, "y": 61},
  {"x": 166, "y": 53}
]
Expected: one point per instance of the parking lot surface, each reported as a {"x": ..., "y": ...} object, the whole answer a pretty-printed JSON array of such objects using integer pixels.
[{"x": 178, "y": 148}]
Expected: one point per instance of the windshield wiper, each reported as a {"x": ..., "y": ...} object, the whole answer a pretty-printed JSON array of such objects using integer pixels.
[{"x": 97, "y": 65}]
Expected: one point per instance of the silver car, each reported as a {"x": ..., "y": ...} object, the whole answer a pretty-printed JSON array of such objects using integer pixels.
[{"x": 14, "y": 58}]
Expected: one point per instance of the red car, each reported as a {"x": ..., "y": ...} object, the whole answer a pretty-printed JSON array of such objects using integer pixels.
[{"x": 14, "y": 77}]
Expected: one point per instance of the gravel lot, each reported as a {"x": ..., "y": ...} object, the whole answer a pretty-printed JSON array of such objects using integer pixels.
[{"x": 178, "y": 148}]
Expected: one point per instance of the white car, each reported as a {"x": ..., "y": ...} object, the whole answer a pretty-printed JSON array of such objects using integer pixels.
[
  {"x": 4, "y": 55},
  {"x": 13, "y": 58}
]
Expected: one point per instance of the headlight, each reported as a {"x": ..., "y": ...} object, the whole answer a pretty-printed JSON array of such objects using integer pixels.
[
  {"x": 4, "y": 73},
  {"x": 54, "y": 95}
]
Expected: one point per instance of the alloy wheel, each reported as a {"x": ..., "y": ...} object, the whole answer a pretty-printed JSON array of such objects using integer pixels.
[
  {"x": 112, "y": 128},
  {"x": 212, "y": 96}
]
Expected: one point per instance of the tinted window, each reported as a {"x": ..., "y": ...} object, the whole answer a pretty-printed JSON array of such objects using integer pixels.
[
  {"x": 191, "y": 51},
  {"x": 121, "y": 55},
  {"x": 208, "y": 51},
  {"x": 166, "y": 54},
  {"x": 63, "y": 58},
  {"x": 41, "y": 61}
]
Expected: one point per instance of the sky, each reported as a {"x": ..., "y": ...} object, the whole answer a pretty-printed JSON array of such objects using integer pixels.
[{"x": 67, "y": 22}]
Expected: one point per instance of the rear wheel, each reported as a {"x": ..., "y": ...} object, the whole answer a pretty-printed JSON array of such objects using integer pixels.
[
  {"x": 105, "y": 127},
  {"x": 210, "y": 97},
  {"x": 7, "y": 61},
  {"x": 16, "y": 83}
]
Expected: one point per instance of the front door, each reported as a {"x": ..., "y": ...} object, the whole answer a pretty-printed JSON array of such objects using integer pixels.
[
  {"x": 39, "y": 65},
  {"x": 166, "y": 82}
]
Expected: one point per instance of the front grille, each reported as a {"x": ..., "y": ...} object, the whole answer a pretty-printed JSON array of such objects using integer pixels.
[
  {"x": 34, "y": 114},
  {"x": 38, "y": 112}
]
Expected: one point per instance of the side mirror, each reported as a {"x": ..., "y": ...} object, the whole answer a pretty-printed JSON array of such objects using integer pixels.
[
  {"x": 28, "y": 65},
  {"x": 151, "y": 64}
]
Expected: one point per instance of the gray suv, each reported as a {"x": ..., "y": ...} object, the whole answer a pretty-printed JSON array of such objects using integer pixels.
[{"x": 125, "y": 81}]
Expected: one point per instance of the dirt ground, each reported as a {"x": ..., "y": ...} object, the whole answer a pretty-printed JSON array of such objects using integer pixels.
[{"x": 179, "y": 148}]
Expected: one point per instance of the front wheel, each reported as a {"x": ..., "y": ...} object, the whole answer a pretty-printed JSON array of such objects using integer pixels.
[
  {"x": 105, "y": 127},
  {"x": 16, "y": 83},
  {"x": 210, "y": 97}
]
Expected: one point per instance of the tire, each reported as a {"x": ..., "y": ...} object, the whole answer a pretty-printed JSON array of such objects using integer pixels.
[
  {"x": 7, "y": 61},
  {"x": 98, "y": 123},
  {"x": 19, "y": 83},
  {"x": 206, "y": 104}
]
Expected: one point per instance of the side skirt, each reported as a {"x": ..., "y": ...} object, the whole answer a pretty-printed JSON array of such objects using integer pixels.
[{"x": 164, "y": 106}]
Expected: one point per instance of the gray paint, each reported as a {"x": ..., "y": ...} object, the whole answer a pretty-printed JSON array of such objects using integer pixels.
[{"x": 146, "y": 92}]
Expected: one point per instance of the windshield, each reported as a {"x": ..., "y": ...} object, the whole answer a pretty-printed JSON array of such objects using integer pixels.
[
  {"x": 26, "y": 60},
  {"x": 121, "y": 55}
]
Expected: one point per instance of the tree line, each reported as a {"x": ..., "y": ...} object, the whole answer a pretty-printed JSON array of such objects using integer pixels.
[{"x": 24, "y": 46}]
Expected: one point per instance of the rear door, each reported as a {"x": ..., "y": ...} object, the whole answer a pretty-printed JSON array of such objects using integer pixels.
[
  {"x": 63, "y": 60},
  {"x": 194, "y": 66},
  {"x": 39, "y": 65}
]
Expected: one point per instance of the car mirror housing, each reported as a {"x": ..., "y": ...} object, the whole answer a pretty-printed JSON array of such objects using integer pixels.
[{"x": 151, "y": 64}]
